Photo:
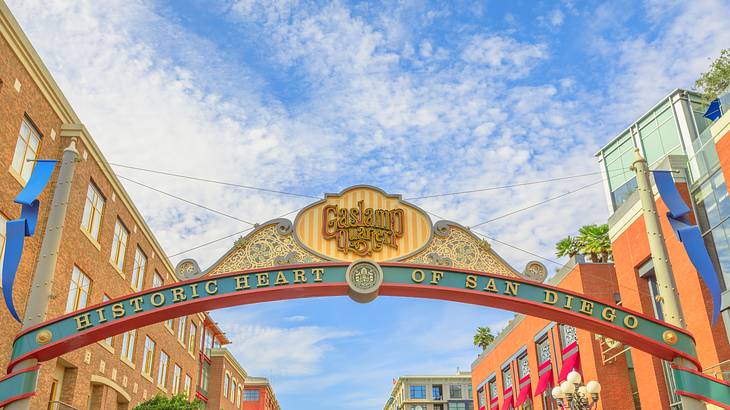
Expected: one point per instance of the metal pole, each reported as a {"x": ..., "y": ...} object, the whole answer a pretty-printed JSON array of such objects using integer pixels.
[
  {"x": 668, "y": 299},
  {"x": 40, "y": 291}
]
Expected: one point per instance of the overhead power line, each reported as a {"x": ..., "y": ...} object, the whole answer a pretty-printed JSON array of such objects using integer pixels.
[
  {"x": 212, "y": 181},
  {"x": 535, "y": 204},
  {"x": 215, "y": 211}
]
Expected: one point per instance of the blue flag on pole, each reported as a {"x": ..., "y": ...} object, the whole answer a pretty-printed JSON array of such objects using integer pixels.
[
  {"x": 18, "y": 229},
  {"x": 690, "y": 236}
]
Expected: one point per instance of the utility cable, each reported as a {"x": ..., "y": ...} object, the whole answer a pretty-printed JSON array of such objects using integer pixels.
[
  {"x": 273, "y": 191},
  {"x": 535, "y": 204},
  {"x": 185, "y": 200}
]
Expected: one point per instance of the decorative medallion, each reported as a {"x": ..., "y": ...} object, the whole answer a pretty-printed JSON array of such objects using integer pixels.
[
  {"x": 669, "y": 337},
  {"x": 43, "y": 337},
  {"x": 364, "y": 278},
  {"x": 187, "y": 269}
]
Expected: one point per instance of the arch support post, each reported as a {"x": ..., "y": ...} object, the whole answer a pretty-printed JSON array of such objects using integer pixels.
[
  {"x": 662, "y": 266},
  {"x": 40, "y": 292}
]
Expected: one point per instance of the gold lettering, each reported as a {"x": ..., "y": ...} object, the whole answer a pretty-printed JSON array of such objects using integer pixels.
[
  {"x": 491, "y": 286},
  {"x": 609, "y": 314},
  {"x": 137, "y": 303},
  {"x": 211, "y": 287},
  {"x": 194, "y": 288},
  {"x": 417, "y": 276},
  {"x": 178, "y": 294},
  {"x": 100, "y": 313},
  {"x": 436, "y": 277},
  {"x": 262, "y": 279},
  {"x": 83, "y": 321},
  {"x": 318, "y": 272},
  {"x": 631, "y": 321},
  {"x": 568, "y": 302},
  {"x": 281, "y": 279},
  {"x": 511, "y": 288},
  {"x": 118, "y": 310},
  {"x": 586, "y": 307},
  {"x": 242, "y": 282},
  {"x": 471, "y": 281},
  {"x": 299, "y": 276},
  {"x": 551, "y": 297},
  {"x": 157, "y": 299}
]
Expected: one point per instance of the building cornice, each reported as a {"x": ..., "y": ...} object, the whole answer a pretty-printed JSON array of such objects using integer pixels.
[{"x": 225, "y": 353}]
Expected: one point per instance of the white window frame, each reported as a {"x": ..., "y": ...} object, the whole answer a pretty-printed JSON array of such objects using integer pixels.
[
  {"x": 176, "y": 376},
  {"x": 93, "y": 212},
  {"x": 181, "y": 329},
  {"x": 128, "y": 341},
  {"x": 192, "y": 332},
  {"x": 119, "y": 246},
  {"x": 138, "y": 270},
  {"x": 20, "y": 165},
  {"x": 148, "y": 356},
  {"x": 78, "y": 291},
  {"x": 162, "y": 369}
]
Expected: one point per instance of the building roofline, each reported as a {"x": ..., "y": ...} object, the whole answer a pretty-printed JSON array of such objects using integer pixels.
[
  {"x": 15, "y": 36},
  {"x": 653, "y": 107},
  {"x": 225, "y": 353}
]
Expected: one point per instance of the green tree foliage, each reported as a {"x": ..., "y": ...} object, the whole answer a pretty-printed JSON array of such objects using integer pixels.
[
  {"x": 177, "y": 402},
  {"x": 592, "y": 241},
  {"x": 483, "y": 337},
  {"x": 717, "y": 79}
]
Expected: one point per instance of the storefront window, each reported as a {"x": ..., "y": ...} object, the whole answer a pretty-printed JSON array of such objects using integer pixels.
[{"x": 713, "y": 217}]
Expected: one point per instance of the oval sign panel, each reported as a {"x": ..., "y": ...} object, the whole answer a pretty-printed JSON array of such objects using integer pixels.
[{"x": 363, "y": 222}]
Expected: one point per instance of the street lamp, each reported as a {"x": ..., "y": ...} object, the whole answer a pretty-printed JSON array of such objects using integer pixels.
[{"x": 572, "y": 395}]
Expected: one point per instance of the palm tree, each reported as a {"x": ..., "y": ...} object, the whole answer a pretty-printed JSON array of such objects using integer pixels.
[
  {"x": 594, "y": 241},
  {"x": 568, "y": 246},
  {"x": 483, "y": 337}
]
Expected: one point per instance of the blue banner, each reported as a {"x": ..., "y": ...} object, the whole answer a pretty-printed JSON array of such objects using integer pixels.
[
  {"x": 690, "y": 236},
  {"x": 18, "y": 229}
]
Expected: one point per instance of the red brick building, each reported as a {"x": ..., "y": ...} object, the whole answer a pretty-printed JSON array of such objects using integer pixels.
[
  {"x": 259, "y": 395},
  {"x": 107, "y": 250},
  {"x": 673, "y": 135}
]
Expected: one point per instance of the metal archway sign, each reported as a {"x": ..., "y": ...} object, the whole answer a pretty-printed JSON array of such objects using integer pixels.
[{"x": 362, "y": 243}]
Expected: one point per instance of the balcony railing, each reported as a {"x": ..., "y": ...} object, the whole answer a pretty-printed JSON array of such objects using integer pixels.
[{"x": 59, "y": 405}]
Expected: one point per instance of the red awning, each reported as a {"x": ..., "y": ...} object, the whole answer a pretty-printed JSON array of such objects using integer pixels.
[
  {"x": 525, "y": 389},
  {"x": 494, "y": 404},
  {"x": 545, "y": 371},
  {"x": 509, "y": 400},
  {"x": 571, "y": 361}
]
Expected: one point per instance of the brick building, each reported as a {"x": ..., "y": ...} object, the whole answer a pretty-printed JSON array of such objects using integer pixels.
[
  {"x": 226, "y": 380},
  {"x": 259, "y": 395},
  {"x": 107, "y": 250},
  {"x": 530, "y": 352}
]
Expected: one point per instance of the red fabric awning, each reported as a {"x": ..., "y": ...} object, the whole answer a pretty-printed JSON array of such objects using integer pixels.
[
  {"x": 545, "y": 371},
  {"x": 525, "y": 389},
  {"x": 571, "y": 361},
  {"x": 509, "y": 400},
  {"x": 494, "y": 403}
]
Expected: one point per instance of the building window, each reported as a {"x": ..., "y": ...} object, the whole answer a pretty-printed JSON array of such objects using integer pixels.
[
  {"x": 3, "y": 235},
  {"x": 128, "y": 345},
  {"x": 109, "y": 341},
  {"x": 204, "y": 376},
  {"x": 181, "y": 329},
  {"x": 437, "y": 391},
  {"x": 93, "y": 209},
  {"x": 140, "y": 265},
  {"x": 418, "y": 391},
  {"x": 226, "y": 382},
  {"x": 238, "y": 396},
  {"x": 617, "y": 158},
  {"x": 149, "y": 353},
  {"x": 234, "y": 389},
  {"x": 191, "y": 337},
  {"x": 119, "y": 246},
  {"x": 492, "y": 390},
  {"x": 188, "y": 383},
  {"x": 418, "y": 407},
  {"x": 567, "y": 335},
  {"x": 457, "y": 406},
  {"x": 176, "y": 373},
  {"x": 481, "y": 397},
  {"x": 162, "y": 369},
  {"x": 208, "y": 344},
  {"x": 438, "y": 407},
  {"x": 78, "y": 292},
  {"x": 157, "y": 280},
  {"x": 26, "y": 149},
  {"x": 523, "y": 369},
  {"x": 455, "y": 391},
  {"x": 250, "y": 395},
  {"x": 659, "y": 134},
  {"x": 506, "y": 378},
  {"x": 169, "y": 324},
  {"x": 713, "y": 218}
]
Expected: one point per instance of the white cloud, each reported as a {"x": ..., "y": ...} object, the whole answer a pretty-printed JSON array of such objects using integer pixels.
[
  {"x": 296, "y": 351},
  {"x": 505, "y": 55}
]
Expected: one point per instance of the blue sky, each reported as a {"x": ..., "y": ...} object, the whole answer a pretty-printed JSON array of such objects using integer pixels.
[{"x": 415, "y": 97}]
